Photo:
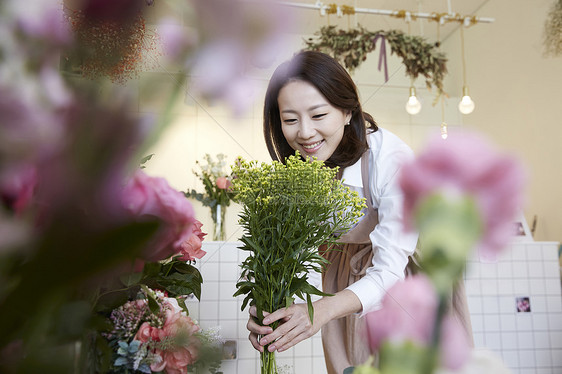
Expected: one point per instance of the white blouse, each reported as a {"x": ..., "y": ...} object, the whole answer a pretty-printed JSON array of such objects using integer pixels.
[{"x": 391, "y": 244}]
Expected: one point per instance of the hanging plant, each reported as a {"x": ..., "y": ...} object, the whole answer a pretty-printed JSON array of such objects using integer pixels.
[
  {"x": 112, "y": 48},
  {"x": 351, "y": 48},
  {"x": 553, "y": 31}
]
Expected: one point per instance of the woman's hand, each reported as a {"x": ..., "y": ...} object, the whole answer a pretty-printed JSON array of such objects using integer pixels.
[
  {"x": 295, "y": 325},
  {"x": 257, "y": 329}
]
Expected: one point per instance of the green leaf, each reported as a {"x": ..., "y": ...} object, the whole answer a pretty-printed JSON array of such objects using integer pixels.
[
  {"x": 146, "y": 158},
  {"x": 310, "y": 308},
  {"x": 131, "y": 279},
  {"x": 181, "y": 303},
  {"x": 289, "y": 301}
]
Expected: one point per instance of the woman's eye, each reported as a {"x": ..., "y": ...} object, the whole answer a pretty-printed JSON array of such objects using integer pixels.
[
  {"x": 290, "y": 120},
  {"x": 318, "y": 116}
]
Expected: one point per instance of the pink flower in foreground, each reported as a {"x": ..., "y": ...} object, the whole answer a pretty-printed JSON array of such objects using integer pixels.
[
  {"x": 408, "y": 314},
  {"x": 191, "y": 248},
  {"x": 147, "y": 198},
  {"x": 467, "y": 164},
  {"x": 177, "y": 40},
  {"x": 42, "y": 19},
  {"x": 238, "y": 35},
  {"x": 223, "y": 183},
  {"x": 17, "y": 185}
]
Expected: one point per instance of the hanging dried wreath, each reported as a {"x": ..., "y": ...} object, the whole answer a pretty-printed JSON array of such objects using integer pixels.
[
  {"x": 114, "y": 49},
  {"x": 351, "y": 48},
  {"x": 553, "y": 31}
]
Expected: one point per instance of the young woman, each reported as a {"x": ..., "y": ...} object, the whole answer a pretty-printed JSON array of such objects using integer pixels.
[{"x": 312, "y": 106}]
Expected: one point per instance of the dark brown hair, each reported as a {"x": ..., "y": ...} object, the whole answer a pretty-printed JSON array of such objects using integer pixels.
[{"x": 335, "y": 83}]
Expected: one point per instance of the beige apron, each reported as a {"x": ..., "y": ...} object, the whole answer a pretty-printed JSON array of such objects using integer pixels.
[{"x": 342, "y": 339}]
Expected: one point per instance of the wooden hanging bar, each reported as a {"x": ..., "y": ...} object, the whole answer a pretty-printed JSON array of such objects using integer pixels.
[{"x": 340, "y": 10}]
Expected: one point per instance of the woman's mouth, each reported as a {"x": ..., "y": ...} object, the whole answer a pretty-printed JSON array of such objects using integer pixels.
[{"x": 312, "y": 147}]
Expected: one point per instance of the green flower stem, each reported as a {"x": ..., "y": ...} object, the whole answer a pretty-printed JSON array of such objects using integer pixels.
[
  {"x": 268, "y": 362},
  {"x": 432, "y": 359}
]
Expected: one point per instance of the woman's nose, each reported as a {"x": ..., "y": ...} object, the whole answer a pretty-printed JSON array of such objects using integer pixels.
[{"x": 306, "y": 130}]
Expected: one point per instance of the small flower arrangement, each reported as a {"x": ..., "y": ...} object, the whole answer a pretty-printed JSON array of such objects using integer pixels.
[
  {"x": 218, "y": 192},
  {"x": 154, "y": 334},
  {"x": 288, "y": 211},
  {"x": 149, "y": 325}
]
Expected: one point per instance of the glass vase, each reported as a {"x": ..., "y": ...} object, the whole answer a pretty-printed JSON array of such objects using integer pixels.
[{"x": 218, "y": 213}]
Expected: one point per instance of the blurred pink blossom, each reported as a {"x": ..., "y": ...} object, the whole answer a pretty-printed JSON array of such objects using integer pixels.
[
  {"x": 237, "y": 35},
  {"x": 28, "y": 129},
  {"x": 191, "y": 248},
  {"x": 223, "y": 183},
  {"x": 42, "y": 19},
  {"x": 408, "y": 313},
  {"x": 149, "y": 197},
  {"x": 176, "y": 39},
  {"x": 52, "y": 83},
  {"x": 467, "y": 164},
  {"x": 17, "y": 184}
]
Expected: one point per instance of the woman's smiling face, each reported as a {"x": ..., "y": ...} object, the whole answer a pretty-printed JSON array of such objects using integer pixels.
[{"x": 310, "y": 124}]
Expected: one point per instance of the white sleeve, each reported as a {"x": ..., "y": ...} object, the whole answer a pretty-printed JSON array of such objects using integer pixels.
[{"x": 391, "y": 245}]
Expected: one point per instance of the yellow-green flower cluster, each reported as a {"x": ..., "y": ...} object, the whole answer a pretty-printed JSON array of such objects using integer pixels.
[{"x": 309, "y": 184}]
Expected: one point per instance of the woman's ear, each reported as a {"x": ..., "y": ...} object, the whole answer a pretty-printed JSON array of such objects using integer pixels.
[{"x": 348, "y": 117}]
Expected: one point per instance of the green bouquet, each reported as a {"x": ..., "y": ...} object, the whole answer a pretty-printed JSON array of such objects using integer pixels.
[{"x": 288, "y": 211}]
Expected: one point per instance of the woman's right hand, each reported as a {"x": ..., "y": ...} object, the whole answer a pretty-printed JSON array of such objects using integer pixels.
[{"x": 257, "y": 329}]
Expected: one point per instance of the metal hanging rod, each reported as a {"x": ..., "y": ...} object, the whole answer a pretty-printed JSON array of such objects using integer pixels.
[{"x": 408, "y": 16}]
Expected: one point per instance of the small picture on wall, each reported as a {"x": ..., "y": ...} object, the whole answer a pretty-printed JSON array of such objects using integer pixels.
[
  {"x": 523, "y": 304},
  {"x": 521, "y": 230}
]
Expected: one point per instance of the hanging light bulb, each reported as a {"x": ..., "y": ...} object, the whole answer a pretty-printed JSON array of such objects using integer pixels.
[
  {"x": 413, "y": 106},
  {"x": 444, "y": 133},
  {"x": 466, "y": 105}
]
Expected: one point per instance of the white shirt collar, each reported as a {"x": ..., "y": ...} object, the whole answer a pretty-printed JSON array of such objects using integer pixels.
[{"x": 352, "y": 175}]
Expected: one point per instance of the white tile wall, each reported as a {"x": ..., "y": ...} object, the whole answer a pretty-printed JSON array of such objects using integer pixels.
[{"x": 528, "y": 342}]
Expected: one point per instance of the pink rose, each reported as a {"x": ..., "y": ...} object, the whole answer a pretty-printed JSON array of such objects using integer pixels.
[
  {"x": 178, "y": 357},
  {"x": 147, "y": 198},
  {"x": 17, "y": 185},
  {"x": 223, "y": 183},
  {"x": 191, "y": 248},
  {"x": 408, "y": 314},
  {"x": 145, "y": 332},
  {"x": 466, "y": 164}
]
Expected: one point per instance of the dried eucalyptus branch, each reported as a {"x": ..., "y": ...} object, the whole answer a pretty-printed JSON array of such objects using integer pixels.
[
  {"x": 351, "y": 48},
  {"x": 553, "y": 31}
]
